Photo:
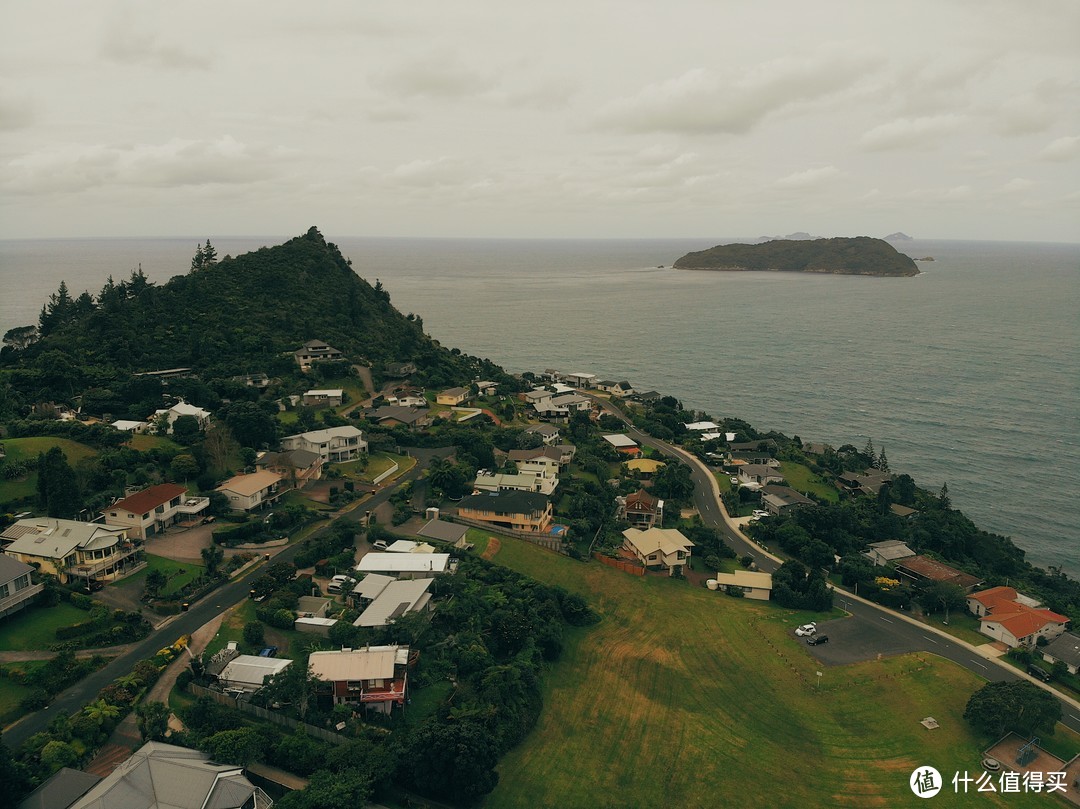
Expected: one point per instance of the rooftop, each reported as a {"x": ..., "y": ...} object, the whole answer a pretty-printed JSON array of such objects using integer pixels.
[
  {"x": 250, "y": 484},
  {"x": 372, "y": 663},
  {"x": 149, "y": 499}
]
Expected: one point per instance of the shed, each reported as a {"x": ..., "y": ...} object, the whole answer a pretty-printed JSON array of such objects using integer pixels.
[{"x": 314, "y": 626}]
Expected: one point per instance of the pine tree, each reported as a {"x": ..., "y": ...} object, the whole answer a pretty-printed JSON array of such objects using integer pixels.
[
  {"x": 199, "y": 260},
  {"x": 209, "y": 254},
  {"x": 943, "y": 497},
  {"x": 882, "y": 461},
  {"x": 869, "y": 453}
]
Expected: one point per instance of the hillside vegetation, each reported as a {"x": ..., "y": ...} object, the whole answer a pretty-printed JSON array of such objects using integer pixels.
[{"x": 860, "y": 255}]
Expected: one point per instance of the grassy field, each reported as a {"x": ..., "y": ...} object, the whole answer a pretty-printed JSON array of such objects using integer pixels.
[
  {"x": 35, "y": 628},
  {"x": 12, "y": 693},
  {"x": 144, "y": 443},
  {"x": 170, "y": 568},
  {"x": 680, "y": 697},
  {"x": 19, "y": 449},
  {"x": 803, "y": 480}
]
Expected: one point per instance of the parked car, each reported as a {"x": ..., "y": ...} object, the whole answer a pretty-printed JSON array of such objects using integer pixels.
[
  {"x": 817, "y": 640},
  {"x": 269, "y": 651},
  {"x": 759, "y": 513},
  {"x": 806, "y": 629},
  {"x": 1040, "y": 674},
  {"x": 735, "y": 481},
  {"x": 380, "y": 544}
]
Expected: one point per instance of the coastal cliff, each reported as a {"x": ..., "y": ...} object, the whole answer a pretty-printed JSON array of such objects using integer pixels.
[{"x": 860, "y": 255}]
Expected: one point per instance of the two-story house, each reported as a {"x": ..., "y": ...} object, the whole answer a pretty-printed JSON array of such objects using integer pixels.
[
  {"x": 315, "y": 351},
  {"x": 453, "y": 396},
  {"x": 666, "y": 548},
  {"x": 375, "y": 677},
  {"x": 518, "y": 511},
  {"x": 72, "y": 550},
  {"x": 17, "y": 589},
  {"x": 640, "y": 509},
  {"x": 323, "y": 397},
  {"x": 152, "y": 510},
  {"x": 333, "y": 444},
  {"x": 181, "y": 408}
]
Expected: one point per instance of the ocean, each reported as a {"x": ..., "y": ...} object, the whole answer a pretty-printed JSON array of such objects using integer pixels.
[{"x": 966, "y": 374}]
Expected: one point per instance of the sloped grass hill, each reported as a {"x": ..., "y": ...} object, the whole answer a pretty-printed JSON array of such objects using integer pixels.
[
  {"x": 248, "y": 310},
  {"x": 860, "y": 255}
]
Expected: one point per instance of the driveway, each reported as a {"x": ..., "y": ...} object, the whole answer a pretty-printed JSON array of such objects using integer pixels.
[{"x": 852, "y": 641}]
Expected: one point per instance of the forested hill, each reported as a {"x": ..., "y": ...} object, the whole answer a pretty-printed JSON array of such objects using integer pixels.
[
  {"x": 228, "y": 316},
  {"x": 860, "y": 255}
]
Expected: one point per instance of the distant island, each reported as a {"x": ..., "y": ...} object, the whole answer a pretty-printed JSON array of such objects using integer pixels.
[
  {"x": 899, "y": 236},
  {"x": 860, "y": 255}
]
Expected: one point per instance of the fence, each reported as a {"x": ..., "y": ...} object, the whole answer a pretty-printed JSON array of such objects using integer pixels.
[
  {"x": 542, "y": 540},
  {"x": 386, "y": 474},
  {"x": 268, "y": 715},
  {"x": 619, "y": 564}
]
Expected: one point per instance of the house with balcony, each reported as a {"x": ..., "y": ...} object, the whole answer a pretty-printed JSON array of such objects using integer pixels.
[
  {"x": 665, "y": 548},
  {"x": 151, "y": 511},
  {"x": 640, "y": 509},
  {"x": 315, "y": 351},
  {"x": 74, "y": 551},
  {"x": 779, "y": 500},
  {"x": 181, "y": 408},
  {"x": 253, "y": 491},
  {"x": 329, "y": 397},
  {"x": 375, "y": 678},
  {"x": 333, "y": 444},
  {"x": 518, "y": 511},
  {"x": 548, "y": 433},
  {"x": 453, "y": 396},
  {"x": 17, "y": 589}
]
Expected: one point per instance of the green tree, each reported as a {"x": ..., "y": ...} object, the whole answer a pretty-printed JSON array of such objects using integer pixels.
[
  {"x": 57, "y": 486},
  {"x": 153, "y": 719},
  {"x": 338, "y": 788},
  {"x": 255, "y": 634},
  {"x": 57, "y": 754},
  {"x": 241, "y": 746},
  {"x": 1018, "y": 705},
  {"x": 250, "y": 424},
  {"x": 184, "y": 467},
  {"x": 186, "y": 429},
  {"x": 154, "y": 584},
  {"x": 212, "y": 556},
  {"x": 101, "y": 711}
]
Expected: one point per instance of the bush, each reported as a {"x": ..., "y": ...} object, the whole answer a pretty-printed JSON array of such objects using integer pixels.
[{"x": 254, "y": 634}]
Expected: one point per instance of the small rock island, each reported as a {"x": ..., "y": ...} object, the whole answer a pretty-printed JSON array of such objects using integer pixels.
[{"x": 859, "y": 255}]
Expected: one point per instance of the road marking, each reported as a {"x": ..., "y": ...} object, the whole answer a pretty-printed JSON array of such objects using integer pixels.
[
  {"x": 980, "y": 665},
  {"x": 883, "y": 618},
  {"x": 1074, "y": 716},
  {"x": 930, "y": 639}
]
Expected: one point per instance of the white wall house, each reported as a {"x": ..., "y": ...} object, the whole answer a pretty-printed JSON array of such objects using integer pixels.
[{"x": 333, "y": 445}]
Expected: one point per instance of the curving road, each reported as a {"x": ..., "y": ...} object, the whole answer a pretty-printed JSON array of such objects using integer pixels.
[{"x": 871, "y": 630}]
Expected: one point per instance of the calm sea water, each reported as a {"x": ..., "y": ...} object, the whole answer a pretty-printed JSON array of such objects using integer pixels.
[{"x": 967, "y": 373}]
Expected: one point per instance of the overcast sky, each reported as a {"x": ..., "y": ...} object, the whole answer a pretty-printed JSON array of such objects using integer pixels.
[{"x": 956, "y": 119}]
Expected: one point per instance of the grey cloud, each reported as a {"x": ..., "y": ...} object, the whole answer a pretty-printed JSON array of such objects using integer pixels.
[
  {"x": 433, "y": 76},
  {"x": 811, "y": 178},
  {"x": 1061, "y": 150},
  {"x": 16, "y": 112},
  {"x": 905, "y": 133},
  {"x": 130, "y": 44}
]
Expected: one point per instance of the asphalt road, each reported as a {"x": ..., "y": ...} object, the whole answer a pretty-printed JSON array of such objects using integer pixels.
[
  {"x": 871, "y": 630},
  {"x": 83, "y": 692}
]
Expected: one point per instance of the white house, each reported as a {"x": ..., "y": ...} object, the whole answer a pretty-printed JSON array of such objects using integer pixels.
[
  {"x": 396, "y": 599},
  {"x": 753, "y": 584},
  {"x": 16, "y": 588},
  {"x": 521, "y": 482},
  {"x": 249, "y": 672},
  {"x": 249, "y": 492},
  {"x": 331, "y": 397},
  {"x": 659, "y": 547},
  {"x": 580, "y": 380},
  {"x": 179, "y": 409},
  {"x": 72, "y": 550},
  {"x": 333, "y": 445},
  {"x": 153, "y": 510},
  {"x": 407, "y": 565}
]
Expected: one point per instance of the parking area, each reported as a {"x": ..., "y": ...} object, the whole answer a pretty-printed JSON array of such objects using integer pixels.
[{"x": 852, "y": 640}]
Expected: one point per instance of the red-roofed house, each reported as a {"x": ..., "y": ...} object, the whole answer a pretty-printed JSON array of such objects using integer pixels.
[
  {"x": 1004, "y": 616},
  {"x": 640, "y": 509},
  {"x": 152, "y": 510},
  {"x": 915, "y": 569}
]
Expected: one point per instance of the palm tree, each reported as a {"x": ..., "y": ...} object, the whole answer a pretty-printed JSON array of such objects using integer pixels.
[{"x": 101, "y": 711}]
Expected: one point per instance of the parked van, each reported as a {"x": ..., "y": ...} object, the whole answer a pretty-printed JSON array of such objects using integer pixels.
[{"x": 1040, "y": 674}]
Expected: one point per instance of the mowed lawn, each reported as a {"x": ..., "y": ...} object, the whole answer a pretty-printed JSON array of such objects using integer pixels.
[
  {"x": 802, "y": 479},
  {"x": 683, "y": 697}
]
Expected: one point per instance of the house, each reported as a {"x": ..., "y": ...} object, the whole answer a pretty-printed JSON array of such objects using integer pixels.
[
  {"x": 1065, "y": 648},
  {"x": 752, "y": 456},
  {"x": 903, "y": 512},
  {"x": 407, "y": 565},
  {"x": 249, "y": 672},
  {"x": 130, "y": 426},
  {"x": 297, "y": 466},
  {"x": 487, "y": 388},
  {"x": 780, "y": 499},
  {"x": 522, "y": 482},
  {"x": 645, "y": 467},
  {"x": 17, "y": 589},
  {"x": 766, "y": 445},
  {"x": 548, "y": 433},
  {"x": 315, "y": 351},
  {"x": 922, "y": 568},
  {"x": 399, "y": 370},
  {"x": 314, "y": 606},
  {"x": 759, "y": 474},
  {"x": 153, "y": 510},
  {"x": 252, "y": 491},
  {"x": 453, "y": 396},
  {"x": 620, "y": 389},
  {"x": 167, "y": 373},
  {"x": 753, "y": 584},
  {"x": 375, "y": 677},
  {"x": 580, "y": 380},
  {"x": 444, "y": 532},
  {"x": 624, "y": 444},
  {"x": 408, "y": 546},
  {"x": 519, "y": 456},
  {"x": 164, "y": 776},
  {"x": 868, "y": 483},
  {"x": 658, "y": 547},
  {"x": 640, "y": 509},
  {"x": 406, "y": 397},
  {"x": 369, "y": 588},
  {"x": 61, "y": 790},
  {"x": 1013, "y": 618},
  {"x": 259, "y": 380},
  {"x": 331, "y": 397},
  {"x": 395, "y": 600},
  {"x": 314, "y": 626},
  {"x": 702, "y": 426},
  {"x": 516, "y": 510},
  {"x": 393, "y": 415},
  {"x": 647, "y": 397},
  {"x": 181, "y": 408},
  {"x": 535, "y": 395},
  {"x": 333, "y": 444},
  {"x": 560, "y": 407},
  {"x": 888, "y": 550},
  {"x": 72, "y": 550}
]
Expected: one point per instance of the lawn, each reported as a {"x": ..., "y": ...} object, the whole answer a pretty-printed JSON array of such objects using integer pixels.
[
  {"x": 12, "y": 693},
  {"x": 19, "y": 449},
  {"x": 681, "y": 697},
  {"x": 179, "y": 573},
  {"x": 801, "y": 479},
  {"x": 377, "y": 464},
  {"x": 35, "y": 628},
  {"x": 145, "y": 443}
]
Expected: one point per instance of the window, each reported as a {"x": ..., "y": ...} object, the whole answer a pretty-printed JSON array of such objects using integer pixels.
[
  {"x": 21, "y": 583},
  {"x": 4, "y": 592},
  {"x": 354, "y": 685}
]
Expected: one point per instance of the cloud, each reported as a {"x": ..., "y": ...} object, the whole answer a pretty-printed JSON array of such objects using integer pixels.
[
  {"x": 128, "y": 43},
  {"x": 1061, "y": 150},
  {"x": 1014, "y": 186},
  {"x": 16, "y": 112},
  {"x": 434, "y": 76},
  {"x": 906, "y": 133},
  {"x": 175, "y": 163},
  {"x": 809, "y": 178},
  {"x": 707, "y": 102}
]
